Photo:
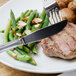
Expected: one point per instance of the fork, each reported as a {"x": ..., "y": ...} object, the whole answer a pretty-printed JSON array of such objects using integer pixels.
[{"x": 52, "y": 10}]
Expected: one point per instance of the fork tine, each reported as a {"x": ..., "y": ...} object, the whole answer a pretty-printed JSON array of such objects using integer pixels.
[
  {"x": 57, "y": 14},
  {"x": 60, "y": 16},
  {"x": 54, "y": 16},
  {"x": 51, "y": 18}
]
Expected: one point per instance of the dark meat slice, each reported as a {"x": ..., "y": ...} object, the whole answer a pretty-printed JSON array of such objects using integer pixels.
[{"x": 62, "y": 45}]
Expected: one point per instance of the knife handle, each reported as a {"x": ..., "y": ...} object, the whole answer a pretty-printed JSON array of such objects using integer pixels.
[{"x": 11, "y": 45}]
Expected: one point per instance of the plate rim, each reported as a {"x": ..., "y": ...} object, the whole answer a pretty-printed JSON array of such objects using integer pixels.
[{"x": 35, "y": 71}]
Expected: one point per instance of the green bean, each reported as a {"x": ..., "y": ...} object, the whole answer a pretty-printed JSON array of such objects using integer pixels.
[
  {"x": 1, "y": 31},
  {"x": 34, "y": 49},
  {"x": 31, "y": 60},
  {"x": 15, "y": 37},
  {"x": 21, "y": 47},
  {"x": 17, "y": 19},
  {"x": 20, "y": 51},
  {"x": 46, "y": 22},
  {"x": 30, "y": 45},
  {"x": 22, "y": 16},
  {"x": 42, "y": 17},
  {"x": 6, "y": 33},
  {"x": 43, "y": 14},
  {"x": 35, "y": 28},
  {"x": 12, "y": 53},
  {"x": 28, "y": 27},
  {"x": 36, "y": 15},
  {"x": 28, "y": 13},
  {"x": 18, "y": 56},
  {"x": 19, "y": 31},
  {"x": 24, "y": 34},
  {"x": 13, "y": 20},
  {"x": 11, "y": 35},
  {"x": 26, "y": 49}
]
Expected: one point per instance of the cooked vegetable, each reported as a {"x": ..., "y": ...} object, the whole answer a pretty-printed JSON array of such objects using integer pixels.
[
  {"x": 30, "y": 60},
  {"x": 68, "y": 14},
  {"x": 21, "y": 51},
  {"x": 46, "y": 22},
  {"x": 18, "y": 56},
  {"x": 28, "y": 27},
  {"x": 22, "y": 26},
  {"x": 30, "y": 45},
  {"x": 36, "y": 15},
  {"x": 7, "y": 30},
  {"x": 17, "y": 19},
  {"x": 1, "y": 31},
  {"x": 20, "y": 30},
  {"x": 21, "y": 47},
  {"x": 42, "y": 16},
  {"x": 63, "y": 3},
  {"x": 26, "y": 49},
  {"x": 34, "y": 49},
  {"x": 15, "y": 37},
  {"x": 28, "y": 13},
  {"x": 11, "y": 35},
  {"x": 22, "y": 16},
  {"x": 14, "y": 25},
  {"x": 72, "y": 5}
]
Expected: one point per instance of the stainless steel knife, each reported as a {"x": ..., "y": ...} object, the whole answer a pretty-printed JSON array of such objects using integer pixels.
[{"x": 35, "y": 36}]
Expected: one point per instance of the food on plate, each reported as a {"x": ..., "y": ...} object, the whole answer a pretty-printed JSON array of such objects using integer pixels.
[
  {"x": 72, "y": 5},
  {"x": 63, "y": 3},
  {"x": 63, "y": 44},
  {"x": 68, "y": 14},
  {"x": 22, "y": 26}
]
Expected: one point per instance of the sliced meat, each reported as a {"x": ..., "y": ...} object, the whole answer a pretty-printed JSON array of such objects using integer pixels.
[
  {"x": 68, "y": 39},
  {"x": 70, "y": 30},
  {"x": 62, "y": 45},
  {"x": 73, "y": 26},
  {"x": 51, "y": 49}
]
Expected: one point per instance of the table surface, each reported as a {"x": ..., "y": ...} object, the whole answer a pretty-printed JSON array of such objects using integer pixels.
[{"x": 7, "y": 71}]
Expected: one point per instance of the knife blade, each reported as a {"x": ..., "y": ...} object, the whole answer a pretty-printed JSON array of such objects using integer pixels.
[{"x": 35, "y": 36}]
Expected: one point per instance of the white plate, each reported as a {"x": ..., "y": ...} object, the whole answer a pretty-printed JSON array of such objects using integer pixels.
[{"x": 44, "y": 63}]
